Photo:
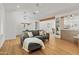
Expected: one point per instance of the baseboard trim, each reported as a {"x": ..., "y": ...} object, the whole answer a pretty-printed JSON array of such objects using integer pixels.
[
  {"x": 10, "y": 39},
  {"x": 1, "y": 44}
]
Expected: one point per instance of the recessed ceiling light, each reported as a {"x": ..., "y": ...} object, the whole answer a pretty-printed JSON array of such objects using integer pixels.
[{"x": 18, "y": 6}]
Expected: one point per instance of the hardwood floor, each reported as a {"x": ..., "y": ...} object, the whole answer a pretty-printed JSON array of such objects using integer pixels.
[{"x": 53, "y": 47}]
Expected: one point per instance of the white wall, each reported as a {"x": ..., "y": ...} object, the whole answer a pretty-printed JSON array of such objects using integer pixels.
[
  {"x": 47, "y": 25},
  {"x": 2, "y": 19},
  {"x": 13, "y": 22},
  {"x": 18, "y": 16},
  {"x": 10, "y": 26}
]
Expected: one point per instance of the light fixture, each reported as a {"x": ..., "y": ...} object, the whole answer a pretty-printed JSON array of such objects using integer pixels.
[
  {"x": 37, "y": 11},
  {"x": 18, "y": 6}
]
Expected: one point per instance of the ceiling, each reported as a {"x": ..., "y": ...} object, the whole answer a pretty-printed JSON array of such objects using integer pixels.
[{"x": 45, "y": 9}]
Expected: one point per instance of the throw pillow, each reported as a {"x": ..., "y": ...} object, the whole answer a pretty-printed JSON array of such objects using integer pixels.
[
  {"x": 26, "y": 34},
  {"x": 30, "y": 34},
  {"x": 44, "y": 32},
  {"x": 41, "y": 32}
]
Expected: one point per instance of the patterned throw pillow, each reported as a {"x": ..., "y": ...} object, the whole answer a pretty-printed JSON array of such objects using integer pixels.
[{"x": 42, "y": 32}]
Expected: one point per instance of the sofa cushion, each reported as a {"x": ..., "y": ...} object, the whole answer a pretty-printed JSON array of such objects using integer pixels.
[
  {"x": 35, "y": 32},
  {"x": 34, "y": 46},
  {"x": 42, "y": 37}
]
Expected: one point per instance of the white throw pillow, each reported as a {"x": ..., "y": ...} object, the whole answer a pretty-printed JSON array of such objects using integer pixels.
[
  {"x": 30, "y": 34},
  {"x": 41, "y": 33}
]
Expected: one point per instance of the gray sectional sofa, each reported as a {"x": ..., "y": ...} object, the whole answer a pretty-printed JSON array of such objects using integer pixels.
[{"x": 34, "y": 46}]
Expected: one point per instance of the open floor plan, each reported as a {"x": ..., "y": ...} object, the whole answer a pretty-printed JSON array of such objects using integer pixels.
[{"x": 39, "y": 28}]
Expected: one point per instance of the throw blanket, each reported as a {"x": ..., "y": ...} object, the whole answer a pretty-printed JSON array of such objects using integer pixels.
[{"x": 27, "y": 41}]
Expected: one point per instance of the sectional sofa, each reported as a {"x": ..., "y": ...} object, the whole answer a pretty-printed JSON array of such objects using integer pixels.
[{"x": 36, "y": 33}]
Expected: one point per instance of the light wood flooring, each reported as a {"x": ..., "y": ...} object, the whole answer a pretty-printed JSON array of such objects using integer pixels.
[{"x": 53, "y": 47}]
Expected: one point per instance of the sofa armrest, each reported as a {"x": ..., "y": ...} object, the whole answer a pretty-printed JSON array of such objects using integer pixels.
[{"x": 22, "y": 38}]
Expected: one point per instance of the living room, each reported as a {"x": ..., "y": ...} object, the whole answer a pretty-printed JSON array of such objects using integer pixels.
[{"x": 18, "y": 18}]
